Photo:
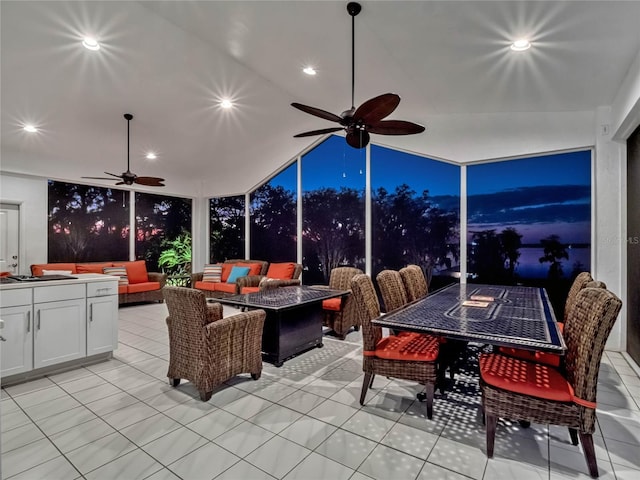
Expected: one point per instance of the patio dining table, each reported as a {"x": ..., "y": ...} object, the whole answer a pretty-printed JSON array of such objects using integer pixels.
[{"x": 509, "y": 316}]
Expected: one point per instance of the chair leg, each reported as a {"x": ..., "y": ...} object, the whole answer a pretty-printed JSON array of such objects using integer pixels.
[
  {"x": 174, "y": 381},
  {"x": 589, "y": 453},
  {"x": 573, "y": 433},
  {"x": 373, "y": 375},
  {"x": 492, "y": 423},
  {"x": 365, "y": 386},
  {"x": 430, "y": 391},
  {"x": 205, "y": 396},
  {"x": 256, "y": 376}
]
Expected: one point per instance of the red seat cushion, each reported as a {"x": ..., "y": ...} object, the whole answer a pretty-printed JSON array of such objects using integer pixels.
[
  {"x": 281, "y": 271},
  {"x": 210, "y": 286},
  {"x": 250, "y": 289},
  {"x": 413, "y": 347},
  {"x": 527, "y": 378},
  {"x": 540, "y": 357},
  {"x": 136, "y": 271},
  {"x": 122, "y": 289},
  {"x": 333, "y": 304},
  {"x": 225, "y": 287},
  {"x": 143, "y": 287}
]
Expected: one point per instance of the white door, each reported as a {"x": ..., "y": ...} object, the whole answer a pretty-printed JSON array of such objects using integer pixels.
[{"x": 9, "y": 238}]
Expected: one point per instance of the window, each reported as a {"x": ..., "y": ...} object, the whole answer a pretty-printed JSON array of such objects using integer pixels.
[
  {"x": 333, "y": 231},
  {"x": 274, "y": 218},
  {"x": 87, "y": 224},
  {"x": 415, "y": 214},
  {"x": 161, "y": 221},
  {"x": 226, "y": 227}
]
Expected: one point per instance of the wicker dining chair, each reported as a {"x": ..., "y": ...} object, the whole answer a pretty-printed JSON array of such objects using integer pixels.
[
  {"x": 409, "y": 357},
  {"x": 414, "y": 281},
  {"x": 339, "y": 313},
  {"x": 207, "y": 349},
  {"x": 392, "y": 290},
  {"x": 582, "y": 281},
  {"x": 534, "y": 392}
]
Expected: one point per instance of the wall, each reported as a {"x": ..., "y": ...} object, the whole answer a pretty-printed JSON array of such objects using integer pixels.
[{"x": 31, "y": 194}]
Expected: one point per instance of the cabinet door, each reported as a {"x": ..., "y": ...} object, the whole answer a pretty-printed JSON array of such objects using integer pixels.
[
  {"x": 17, "y": 351},
  {"x": 60, "y": 332},
  {"x": 102, "y": 324}
]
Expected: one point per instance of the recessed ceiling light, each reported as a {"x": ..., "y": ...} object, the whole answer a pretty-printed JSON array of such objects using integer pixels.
[
  {"x": 521, "y": 45},
  {"x": 309, "y": 70},
  {"x": 30, "y": 129},
  {"x": 151, "y": 156},
  {"x": 90, "y": 43},
  {"x": 226, "y": 103}
]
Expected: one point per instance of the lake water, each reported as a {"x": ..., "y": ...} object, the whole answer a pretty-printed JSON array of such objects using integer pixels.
[{"x": 529, "y": 265}]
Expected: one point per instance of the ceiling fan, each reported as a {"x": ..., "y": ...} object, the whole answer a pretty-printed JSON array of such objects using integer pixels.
[
  {"x": 368, "y": 117},
  {"x": 127, "y": 177}
]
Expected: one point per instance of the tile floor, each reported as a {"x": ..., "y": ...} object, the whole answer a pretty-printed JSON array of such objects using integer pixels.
[{"x": 121, "y": 420}]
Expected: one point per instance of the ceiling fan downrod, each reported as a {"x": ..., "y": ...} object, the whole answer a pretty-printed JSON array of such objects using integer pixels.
[{"x": 354, "y": 9}]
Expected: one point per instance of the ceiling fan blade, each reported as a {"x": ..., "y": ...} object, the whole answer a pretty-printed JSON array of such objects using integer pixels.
[
  {"x": 113, "y": 175},
  {"x": 150, "y": 181},
  {"x": 358, "y": 138},
  {"x": 317, "y": 112},
  {"x": 318, "y": 132},
  {"x": 375, "y": 109},
  {"x": 121, "y": 183},
  {"x": 395, "y": 127},
  {"x": 99, "y": 178}
]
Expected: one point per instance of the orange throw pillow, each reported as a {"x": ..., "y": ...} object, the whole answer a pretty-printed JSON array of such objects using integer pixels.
[
  {"x": 254, "y": 268},
  {"x": 136, "y": 271},
  {"x": 281, "y": 271}
]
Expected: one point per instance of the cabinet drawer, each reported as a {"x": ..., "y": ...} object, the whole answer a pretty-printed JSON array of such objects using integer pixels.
[
  {"x": 17, "y": 297},
  {"x": 56, "y": 293},
  {"x": 101, "y": 289}
]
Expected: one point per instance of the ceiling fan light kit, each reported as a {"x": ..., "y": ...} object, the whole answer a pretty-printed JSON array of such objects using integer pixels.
[
  {"x": 129, "y": 178},
  {"x": 359, "y": 122}
]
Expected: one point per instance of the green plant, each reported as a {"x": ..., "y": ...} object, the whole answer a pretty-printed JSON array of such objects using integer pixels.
[{"x": 176, "y": 259}]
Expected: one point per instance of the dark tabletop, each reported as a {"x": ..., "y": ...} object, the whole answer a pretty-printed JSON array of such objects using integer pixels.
[
  {"x": 282, "y": 297},
  {"x": 510, "y": 316}
]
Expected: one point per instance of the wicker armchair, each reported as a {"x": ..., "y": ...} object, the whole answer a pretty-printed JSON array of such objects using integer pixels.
[
  {"x": 207, "y": 349},
  {"x": 339, "y": 313},
  {"x": 254, "y": 283},
  {"x": 414, "y": 281},
  {"x": 409, "y": 357},
  {"x": 515, "y": 388}
]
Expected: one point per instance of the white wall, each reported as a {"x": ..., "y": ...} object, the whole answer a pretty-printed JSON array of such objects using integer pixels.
[{"x": 31, "y": 194}]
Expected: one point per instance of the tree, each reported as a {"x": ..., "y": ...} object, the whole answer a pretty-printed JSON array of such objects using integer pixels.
[
  {"x": 554, "y": 252},
  {"x": 273, "y": 224},
  {"x": 227, "y": 229},
  {"x": 333, "y": 230},
  {"x": 510, "y": 243}
]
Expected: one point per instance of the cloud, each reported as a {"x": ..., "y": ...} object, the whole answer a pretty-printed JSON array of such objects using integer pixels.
[{"x": 542, "y": 204}]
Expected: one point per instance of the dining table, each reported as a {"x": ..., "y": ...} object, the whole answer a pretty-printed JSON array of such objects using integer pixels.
[{"x": 501, "y": 315}]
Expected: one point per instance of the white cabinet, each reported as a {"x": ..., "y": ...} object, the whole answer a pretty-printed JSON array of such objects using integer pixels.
[
  {"x": 60, "y": 321},
  {"x": 17, "y": 350},
  {"x": 60, "y": 332},
  {"x": 102, "y": 317},
  {"x": 17, "y": 313}
]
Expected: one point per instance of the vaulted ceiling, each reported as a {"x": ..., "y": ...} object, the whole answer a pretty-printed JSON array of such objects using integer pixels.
[{"x": 170, "y": 63}]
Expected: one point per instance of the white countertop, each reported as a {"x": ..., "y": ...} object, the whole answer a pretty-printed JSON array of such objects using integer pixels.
[{"x": 77, "y": 278}]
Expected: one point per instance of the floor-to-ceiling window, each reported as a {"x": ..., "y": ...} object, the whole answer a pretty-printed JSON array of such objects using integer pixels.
[
  {"x": 163, "y": 232},
  {"x": 415, "y": 203},
  {"x": 529, "y": 221},
  {"x": 226, "y": 228},
  {"x": 333, "y": 210},
  {"x": 273, "y": 218},
  {"x": 87, "y": 223}
]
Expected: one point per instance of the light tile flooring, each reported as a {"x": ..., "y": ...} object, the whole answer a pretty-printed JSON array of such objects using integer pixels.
[{"x": 121, "y": 420}]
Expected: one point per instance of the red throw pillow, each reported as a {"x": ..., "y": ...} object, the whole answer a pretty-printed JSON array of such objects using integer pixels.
[
  {"x": 281, "y": 271},
  {"x": 136, "y": 271}
]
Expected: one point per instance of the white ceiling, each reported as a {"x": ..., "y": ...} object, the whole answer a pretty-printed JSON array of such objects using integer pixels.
[{"x": 169, "y": 62}]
